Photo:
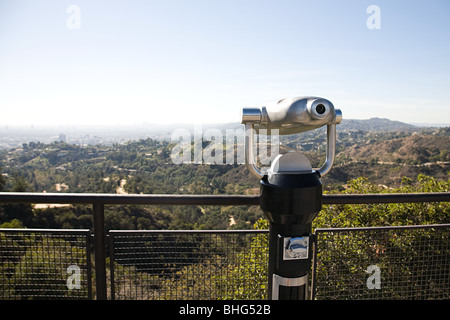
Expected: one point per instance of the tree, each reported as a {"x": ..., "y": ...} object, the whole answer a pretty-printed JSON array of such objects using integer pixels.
[
  {"x": 392, "y": 214},
  {"x": 42, "y": 271},
  {"x": 247, "y": 281},
  {"x": 344, "y": 256},
  {"x": 20, "y": 184}
]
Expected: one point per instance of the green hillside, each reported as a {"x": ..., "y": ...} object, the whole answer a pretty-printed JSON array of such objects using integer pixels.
[{"x": 386, "y": 160}]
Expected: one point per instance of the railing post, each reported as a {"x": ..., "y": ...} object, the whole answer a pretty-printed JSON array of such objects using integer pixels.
[{"x": 100, "y": 251}]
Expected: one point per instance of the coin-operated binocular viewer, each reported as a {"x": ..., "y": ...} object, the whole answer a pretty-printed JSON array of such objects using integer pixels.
[{"x": 291, "y": 190}]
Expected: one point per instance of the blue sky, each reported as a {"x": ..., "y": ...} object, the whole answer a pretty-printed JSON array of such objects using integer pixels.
[{"x": 196, "y": 61}]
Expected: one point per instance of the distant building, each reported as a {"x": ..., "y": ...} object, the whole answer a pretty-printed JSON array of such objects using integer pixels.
[{"x": 62, "y": 137}]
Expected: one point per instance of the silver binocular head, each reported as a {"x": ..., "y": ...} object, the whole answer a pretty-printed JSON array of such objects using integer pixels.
[{"x": 293, "y": 115}]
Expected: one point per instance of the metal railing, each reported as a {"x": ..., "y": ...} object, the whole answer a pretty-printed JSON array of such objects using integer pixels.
[
  {"x": 98, "y": 201},
  {"x": 45, "y": 264},
  {"x": 402, "y": 262},
  {"x": 188, "y": 265}
]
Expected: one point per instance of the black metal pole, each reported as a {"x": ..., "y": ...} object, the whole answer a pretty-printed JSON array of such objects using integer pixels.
[
  {"x": 290, "y": 202},
  {"x": 288, "y": 276},
  {"x": 100, "y": 254}
]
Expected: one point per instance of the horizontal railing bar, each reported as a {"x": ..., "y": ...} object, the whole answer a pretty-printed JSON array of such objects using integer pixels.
[
  {"x": 378, "y": 228},
  {"x": 150, "y": 199},
  {"x": 385, "y": 198},
  {"x": 53, "y": 231},
  {"x": 183, "y": 199},
  {"x": 139, "y": 232}
]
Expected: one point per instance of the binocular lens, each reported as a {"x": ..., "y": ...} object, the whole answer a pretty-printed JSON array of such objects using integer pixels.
[{"x": 320, "y": 109}]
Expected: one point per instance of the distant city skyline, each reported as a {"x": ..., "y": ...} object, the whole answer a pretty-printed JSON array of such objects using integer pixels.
[
  {"x": 116, "y": 62},
  {"x": 15, "y": 135}
]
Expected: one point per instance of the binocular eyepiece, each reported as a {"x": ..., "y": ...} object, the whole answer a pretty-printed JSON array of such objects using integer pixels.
[{"x": 293, "y": 115}]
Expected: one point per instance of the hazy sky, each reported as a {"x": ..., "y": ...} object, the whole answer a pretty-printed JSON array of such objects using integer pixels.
[{"x": 129, "y": 62}]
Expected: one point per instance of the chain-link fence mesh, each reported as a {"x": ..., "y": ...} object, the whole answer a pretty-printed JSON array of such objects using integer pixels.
[
  {"x": 354, "y": 263},
  {"x": 189, "y": 265},
  {"x": 44, "y": 264},
  {"x": 383, "y": 263}
]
